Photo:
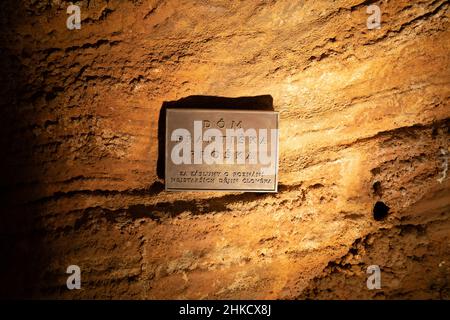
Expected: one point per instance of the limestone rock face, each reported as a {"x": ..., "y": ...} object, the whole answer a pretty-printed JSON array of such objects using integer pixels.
[{"x": 364, "y": 118}]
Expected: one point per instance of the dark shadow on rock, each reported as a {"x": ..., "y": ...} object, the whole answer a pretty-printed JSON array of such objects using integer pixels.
[
  {"x": 263, "y": 103},
  {"x": 22, "y": 245}
]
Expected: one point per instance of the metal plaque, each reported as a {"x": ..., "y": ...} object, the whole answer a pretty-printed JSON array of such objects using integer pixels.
[{"x": 221, "y": 150}]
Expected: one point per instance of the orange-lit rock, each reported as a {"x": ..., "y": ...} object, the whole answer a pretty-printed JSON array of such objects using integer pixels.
[{"x": 364, "y": 117}]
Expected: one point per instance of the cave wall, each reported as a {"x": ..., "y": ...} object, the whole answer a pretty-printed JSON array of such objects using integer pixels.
[{"x": 364, "y": 117}]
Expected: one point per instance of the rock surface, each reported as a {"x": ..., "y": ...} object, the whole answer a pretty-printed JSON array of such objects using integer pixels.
[{"x": 364, "y": 117}]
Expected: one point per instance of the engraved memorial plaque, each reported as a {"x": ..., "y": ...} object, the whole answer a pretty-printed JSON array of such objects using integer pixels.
[{"x": 221, "y": 150}]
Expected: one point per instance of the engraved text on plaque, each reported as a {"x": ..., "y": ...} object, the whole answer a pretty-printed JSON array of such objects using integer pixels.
[{"x": 225, "y": 150}]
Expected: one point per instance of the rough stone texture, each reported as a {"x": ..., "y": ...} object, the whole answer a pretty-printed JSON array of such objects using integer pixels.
[{"x": 364, "y": 117}]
